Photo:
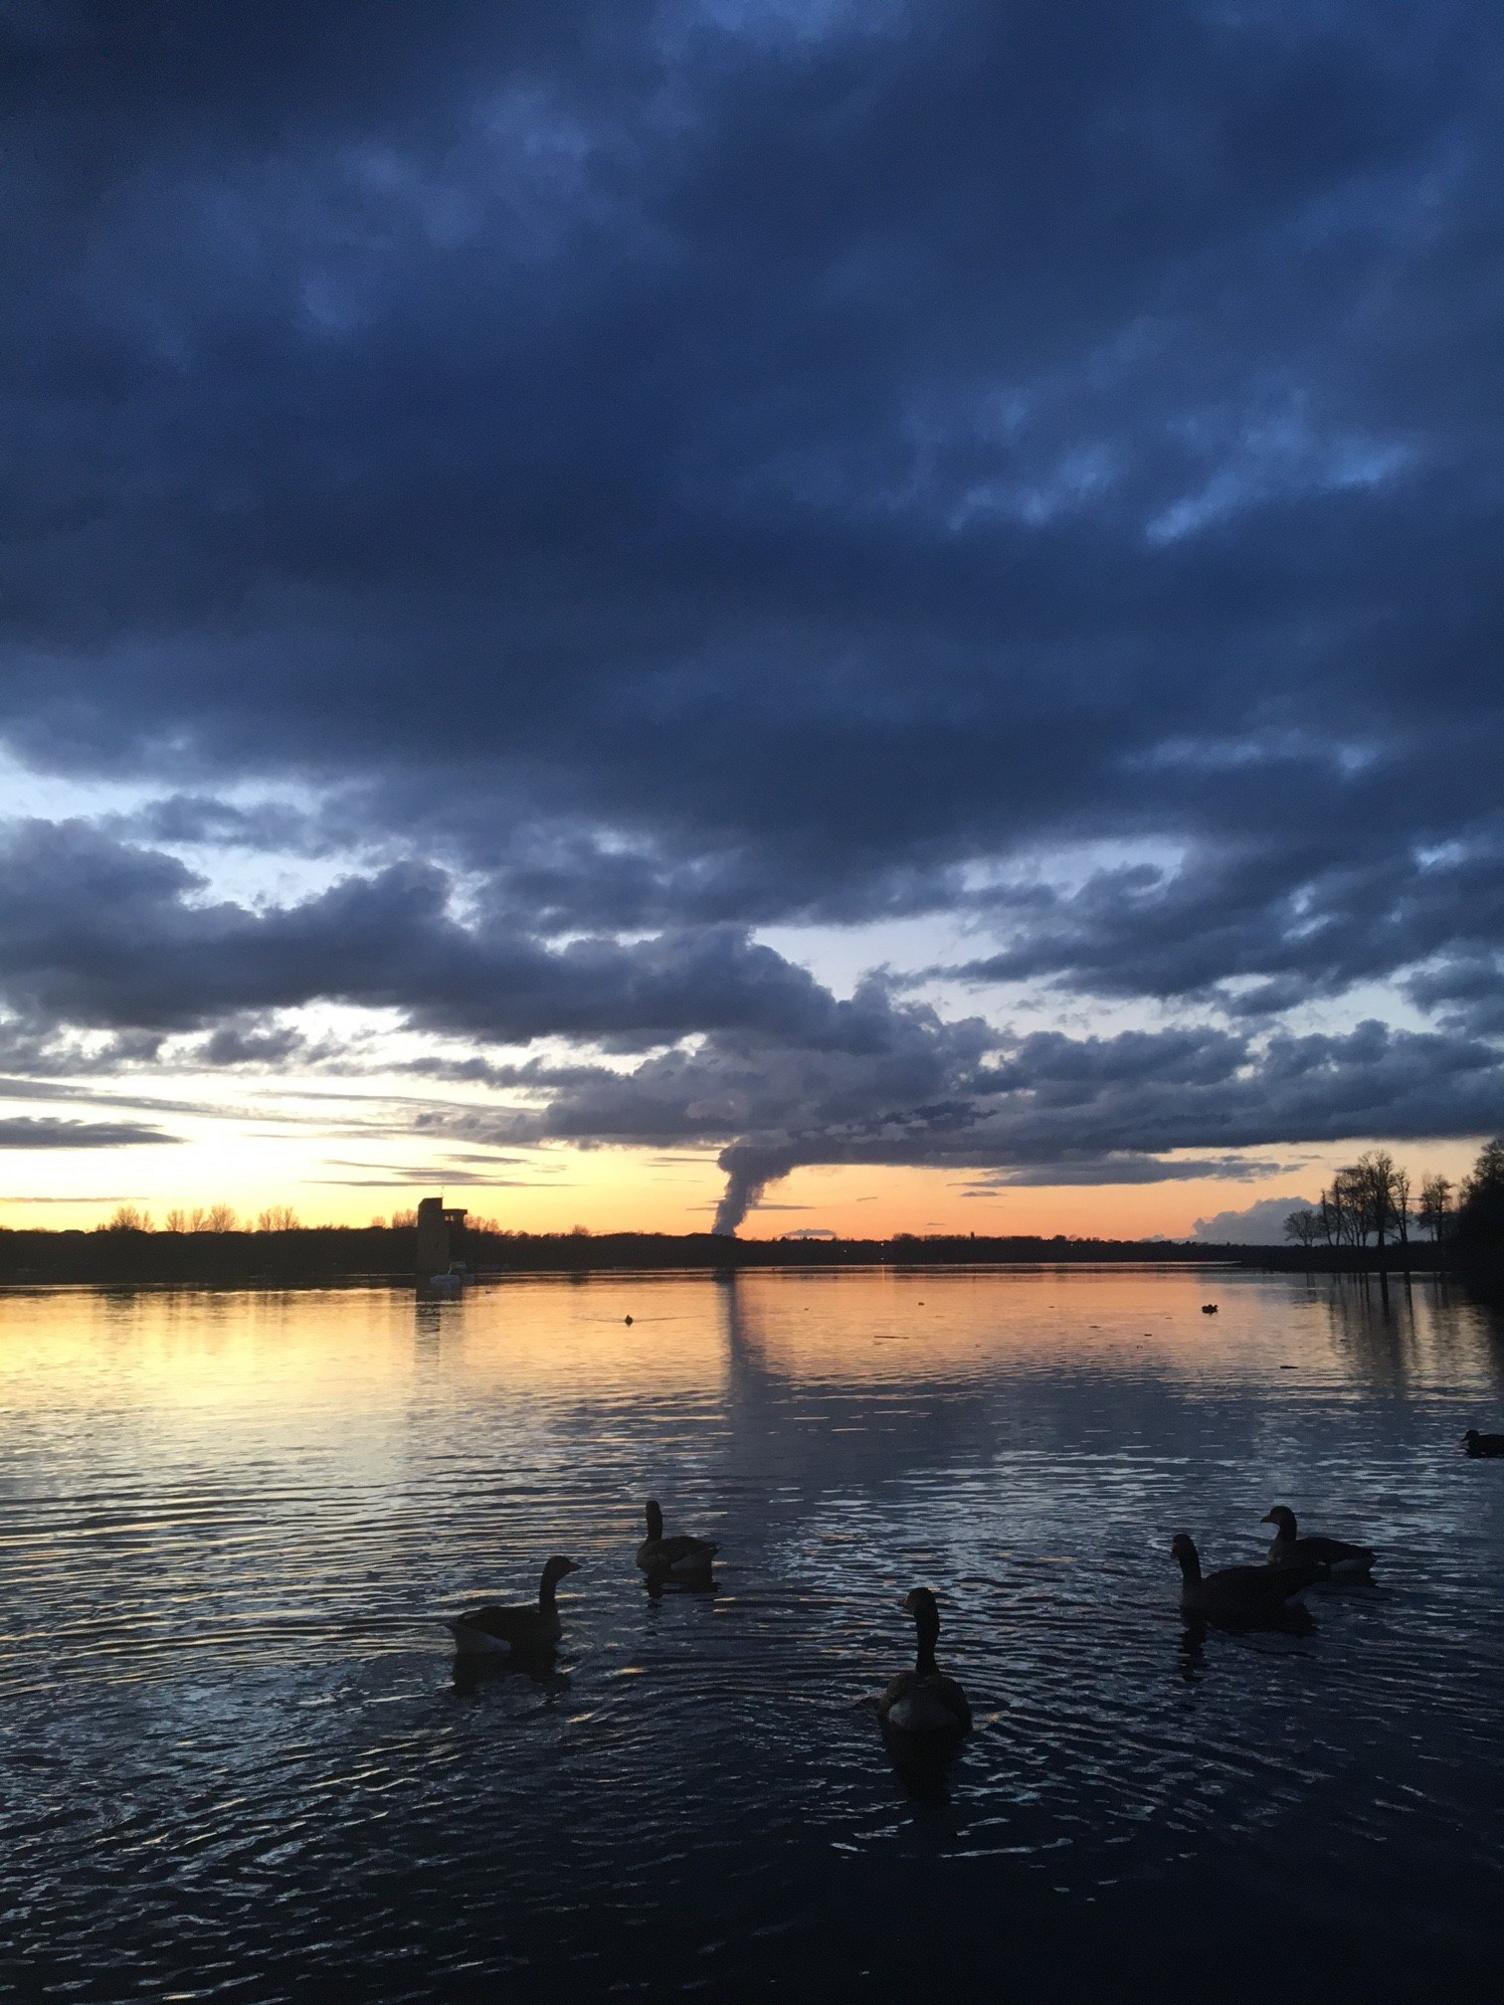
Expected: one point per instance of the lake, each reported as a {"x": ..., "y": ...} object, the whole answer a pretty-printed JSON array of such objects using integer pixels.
[{"x": 239, "y": 1764}]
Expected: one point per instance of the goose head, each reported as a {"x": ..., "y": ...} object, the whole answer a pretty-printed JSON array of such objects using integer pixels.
[
  {"x": 556, "y": 1569},
  {"x": 1283, "y": 1519},
  {"x": 655, "y": 1520},
  {"x": 921, "y": 1604}
]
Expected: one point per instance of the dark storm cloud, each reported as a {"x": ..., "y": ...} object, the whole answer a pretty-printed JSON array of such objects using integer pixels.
[
  {"x": 663, "y": 472},
  {"x": 201, "y": 819},
  {"x": 108, "y": 934},
  {"x": 1043, "y": 1108},
  {"x": 1292, "y": 921},
  {"x": 744, "y": 1051},
  {"x": 1467, "y": 993},
  {"x": 812, "y": 459}
]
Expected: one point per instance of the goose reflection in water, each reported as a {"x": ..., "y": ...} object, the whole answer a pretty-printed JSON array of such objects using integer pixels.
[
  {"x": 923, "y": 1764},
  {"x": 704, "y": 1586},
  {"x": 470, "y": 1675},
  {"x": 1293, "y": 1620}
]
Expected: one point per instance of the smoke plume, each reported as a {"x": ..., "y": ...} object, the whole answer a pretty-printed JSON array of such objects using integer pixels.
[{"x": 749, "y": 1168}]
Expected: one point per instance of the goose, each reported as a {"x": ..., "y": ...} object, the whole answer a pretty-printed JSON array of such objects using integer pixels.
[
  {"x": 1483, "y": 1444},
  {"x": 1239, "y": 1593},
  {"x": 681, "y": 1555},
  {"x": 1288, "y": 1549},
  {"x": 1208, "y": 1308},
  {"x": 484, "y": 1631},
  {"x": 924, "y": 1700}
]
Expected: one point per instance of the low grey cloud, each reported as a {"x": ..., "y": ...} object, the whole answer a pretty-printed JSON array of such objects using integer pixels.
[
  {"x": 44, "y": 1132},
  {"x": 85, "y": 1198},
  {"x": 1258, "y": 1224},
  {"x": 427, "y": 1174},
  {"x": 1121, "y": 1168}
]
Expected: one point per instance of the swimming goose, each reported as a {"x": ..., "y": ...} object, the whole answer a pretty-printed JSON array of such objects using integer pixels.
[
  {"x": 1208, "y": 1308},
  {"x": 682, "y": 1555},
  {"x": 1483, "y": 1444},
  {"x": 483, "y": 1631},
  {"x": 924, "y": 1700},
  {"x": 1287, "y": 1549},
  {"x": 1238, "y": 1593}
]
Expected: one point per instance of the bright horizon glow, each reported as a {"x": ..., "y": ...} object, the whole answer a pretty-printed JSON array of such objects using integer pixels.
[{"x": 631, "y": 1190}]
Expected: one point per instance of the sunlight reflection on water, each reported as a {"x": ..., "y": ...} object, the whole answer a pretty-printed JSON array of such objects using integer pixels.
[{"x": 237, "y": 1755}]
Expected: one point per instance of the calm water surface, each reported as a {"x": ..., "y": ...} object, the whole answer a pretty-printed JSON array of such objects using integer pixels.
[{"x": 238, "y": 1765}]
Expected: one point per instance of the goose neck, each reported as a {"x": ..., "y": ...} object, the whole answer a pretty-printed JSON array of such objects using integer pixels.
[{"x": 924, "y": 1656}]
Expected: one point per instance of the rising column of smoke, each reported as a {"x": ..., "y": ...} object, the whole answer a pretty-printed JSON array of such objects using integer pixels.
[{"x": 750, "y": 1167}]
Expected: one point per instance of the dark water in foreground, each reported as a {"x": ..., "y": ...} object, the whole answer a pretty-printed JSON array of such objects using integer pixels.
[{"x": 236, "y": 1765}]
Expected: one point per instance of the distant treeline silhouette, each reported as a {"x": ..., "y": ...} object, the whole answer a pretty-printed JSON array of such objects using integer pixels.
[
  {"x": 128, "y": 1250},
  {"x": 1371, "y": 1198}
]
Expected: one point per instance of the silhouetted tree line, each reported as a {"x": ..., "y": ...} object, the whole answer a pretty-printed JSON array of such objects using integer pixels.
[
  {"x": 277, "y": 1250},
  {"x": 1371, "y": 1198},
  {"x": 122, "y": 1251}
]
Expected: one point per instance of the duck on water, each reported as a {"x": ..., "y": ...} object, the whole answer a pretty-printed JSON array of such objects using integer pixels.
[{"x": 535, "y": 1626}]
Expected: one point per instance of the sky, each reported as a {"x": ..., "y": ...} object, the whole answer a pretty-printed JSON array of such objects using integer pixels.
[{"x": 874, "y": 617}]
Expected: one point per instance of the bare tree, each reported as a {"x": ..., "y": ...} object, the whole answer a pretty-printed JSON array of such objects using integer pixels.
[
  {"x": 218, "y": 1218},
  {"x": 1377, "y": 1169},
  {"x": 1435, "y": 1209},
  {"x": 1350, "y": 1204},
  {"x": 278, "y": 1218},
  {"x": 1400, "y": 1192},
  {"x": 1304, "y": 1228},
  {"x": 129, "y": 1218},
  {"x": 177, "y": 1220}
]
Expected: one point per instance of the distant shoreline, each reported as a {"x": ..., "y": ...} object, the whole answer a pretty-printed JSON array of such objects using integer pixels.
[{"x": 325, "y": 1253}]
